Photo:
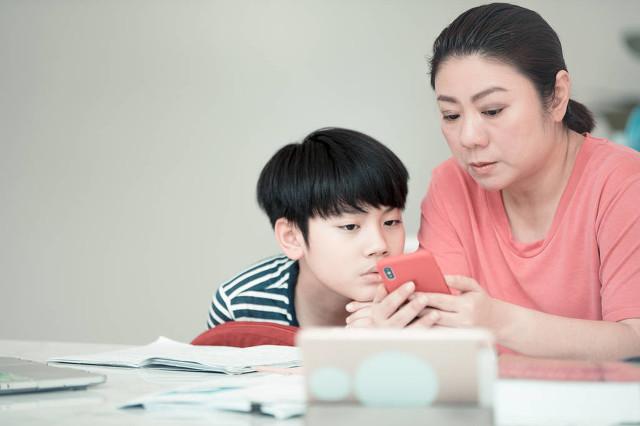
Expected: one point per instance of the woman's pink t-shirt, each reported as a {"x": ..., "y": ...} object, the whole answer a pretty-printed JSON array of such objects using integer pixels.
[{"x": 587, "y": 267}]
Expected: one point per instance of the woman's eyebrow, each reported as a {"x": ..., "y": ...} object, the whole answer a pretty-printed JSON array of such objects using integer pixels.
[
  {"x": 474, "y": 98},
  {"x": 487, "y": 92}
]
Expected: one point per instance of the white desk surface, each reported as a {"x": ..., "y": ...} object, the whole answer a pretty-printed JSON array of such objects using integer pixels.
[{"x": 98, "y": 404}]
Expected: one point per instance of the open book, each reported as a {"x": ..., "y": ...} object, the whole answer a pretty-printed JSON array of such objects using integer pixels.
[{"x": 169, "y": 354}]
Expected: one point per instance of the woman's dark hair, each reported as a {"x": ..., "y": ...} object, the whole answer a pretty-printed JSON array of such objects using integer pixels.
[
  {"x": 519, "y": 37},
  {"x": 332, "y": 171}
]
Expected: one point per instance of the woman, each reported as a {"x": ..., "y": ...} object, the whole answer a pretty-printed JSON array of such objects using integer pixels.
[{"x": 534, "y": 221}]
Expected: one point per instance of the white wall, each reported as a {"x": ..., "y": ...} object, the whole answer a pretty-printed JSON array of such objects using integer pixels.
[{"x": 132, "y": 134}]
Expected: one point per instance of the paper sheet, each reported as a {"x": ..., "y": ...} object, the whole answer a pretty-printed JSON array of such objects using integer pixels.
[{"x": 273, "y": 394}]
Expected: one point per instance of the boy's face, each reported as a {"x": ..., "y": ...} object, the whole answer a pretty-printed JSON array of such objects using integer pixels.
[{"x": 343, "y": 250}]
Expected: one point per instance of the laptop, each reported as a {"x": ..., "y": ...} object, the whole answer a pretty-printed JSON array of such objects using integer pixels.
[
  {"x": 19, "y": 375},
  {"x": 398, "y": 367}
]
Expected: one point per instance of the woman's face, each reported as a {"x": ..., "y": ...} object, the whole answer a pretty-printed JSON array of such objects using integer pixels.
[{"x": 493, "y": 121}]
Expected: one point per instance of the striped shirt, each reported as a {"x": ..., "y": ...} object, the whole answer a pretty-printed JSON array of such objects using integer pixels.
[{"x": 263, "y": 292}]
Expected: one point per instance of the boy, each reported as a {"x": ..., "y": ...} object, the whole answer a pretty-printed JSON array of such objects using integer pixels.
[{"x": 335, "y": 202}]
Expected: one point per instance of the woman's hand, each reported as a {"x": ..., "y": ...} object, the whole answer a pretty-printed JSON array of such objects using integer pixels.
[
  {"x": 392, "y": 310},
  {"x": 471, "y": 308}
]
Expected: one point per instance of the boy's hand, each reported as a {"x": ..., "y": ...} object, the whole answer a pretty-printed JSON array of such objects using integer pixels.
[{"x": 392, "y": 310}]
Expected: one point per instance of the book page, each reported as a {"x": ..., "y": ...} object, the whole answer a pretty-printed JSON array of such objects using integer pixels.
[{"x": 167, "y": 352}]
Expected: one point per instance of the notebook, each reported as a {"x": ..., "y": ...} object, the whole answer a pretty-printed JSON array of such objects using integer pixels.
[{"x": 20, "y": 375}]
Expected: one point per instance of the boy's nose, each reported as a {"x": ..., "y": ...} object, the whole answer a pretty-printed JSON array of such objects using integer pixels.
[{"x": 377, "y": 245}]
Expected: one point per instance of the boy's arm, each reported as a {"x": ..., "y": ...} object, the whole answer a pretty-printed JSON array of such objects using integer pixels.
[{"x": 220, "y": 309}]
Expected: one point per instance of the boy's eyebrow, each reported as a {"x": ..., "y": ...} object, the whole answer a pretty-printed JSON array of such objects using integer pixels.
[
  {"x": 352, "y": 210},
  {"x": 355, "y": 210},
  {"x": 474, "y": 98}
]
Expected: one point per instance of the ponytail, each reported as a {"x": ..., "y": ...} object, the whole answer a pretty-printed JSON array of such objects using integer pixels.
[{"x": 578, "y": 118}]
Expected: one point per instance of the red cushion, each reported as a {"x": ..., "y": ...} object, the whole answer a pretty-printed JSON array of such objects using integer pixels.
[{"x": 242, "y": 334}]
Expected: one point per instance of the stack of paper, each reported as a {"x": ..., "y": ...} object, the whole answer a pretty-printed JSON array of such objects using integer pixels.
[
  {"x": 169, "y": 354},
  {"x": 274, "y": 394}
]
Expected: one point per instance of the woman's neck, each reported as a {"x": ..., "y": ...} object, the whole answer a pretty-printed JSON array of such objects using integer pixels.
[
  {"x": 532, "y": 204},
  {"x": 315, "y": 303}
]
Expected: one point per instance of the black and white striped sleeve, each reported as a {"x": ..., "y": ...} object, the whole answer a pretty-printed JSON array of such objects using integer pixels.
[{"x": 220, "y": 310}]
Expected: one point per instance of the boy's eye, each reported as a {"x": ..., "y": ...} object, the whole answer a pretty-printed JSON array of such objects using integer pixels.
[
  {"x": 392, "y": 222},
  {"x": 349, "y": 227},
  {"x": 493, "y": 112}
]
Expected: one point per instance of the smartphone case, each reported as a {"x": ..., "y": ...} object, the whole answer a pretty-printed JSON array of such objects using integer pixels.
[{"x": 419, "y": 267}]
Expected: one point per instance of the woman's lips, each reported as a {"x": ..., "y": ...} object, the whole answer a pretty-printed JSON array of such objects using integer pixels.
[{"x": 483, "y": 167}]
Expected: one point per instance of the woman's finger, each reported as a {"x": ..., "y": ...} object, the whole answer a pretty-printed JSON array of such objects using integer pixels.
[
  {"x": 425, "y": 311},
  {"x": 462, "y": 283},
  {"x": 428, "y": 320},
  {"x": 449, "y": 319},
  {"x": 444, "y": 302}
]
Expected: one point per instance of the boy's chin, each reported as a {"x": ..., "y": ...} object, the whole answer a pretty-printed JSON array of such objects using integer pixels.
[{"x": 365, "y": 296}]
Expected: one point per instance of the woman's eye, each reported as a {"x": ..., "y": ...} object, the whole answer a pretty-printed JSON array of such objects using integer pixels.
[
  {"x": 349, "y": 227},
  {"x": 392, "y": 222},
  {"x": 493, "y": 112},
  {"x": 450, "y": 117}
]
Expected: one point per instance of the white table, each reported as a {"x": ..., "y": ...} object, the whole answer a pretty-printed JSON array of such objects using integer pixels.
[
  {"x": 98, "y": 405},
  {"x": 517, "y": 402}
]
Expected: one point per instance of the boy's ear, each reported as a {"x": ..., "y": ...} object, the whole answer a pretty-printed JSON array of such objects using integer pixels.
[
  {"x": 289, "y": 238},
  {"x": 562, "y": 92}
]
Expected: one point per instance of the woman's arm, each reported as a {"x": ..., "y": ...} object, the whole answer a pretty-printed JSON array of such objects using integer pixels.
[
  {"x": 532, "y": 332},
  {"x": 538, "y": 334}
]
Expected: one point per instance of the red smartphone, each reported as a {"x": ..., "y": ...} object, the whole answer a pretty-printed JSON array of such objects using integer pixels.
[{"x": 419, "y": 267}]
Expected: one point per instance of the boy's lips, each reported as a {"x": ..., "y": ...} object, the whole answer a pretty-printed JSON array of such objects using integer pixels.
[
  {"x": 371, "y": 270},
  {"x": 371, "y": 275}
]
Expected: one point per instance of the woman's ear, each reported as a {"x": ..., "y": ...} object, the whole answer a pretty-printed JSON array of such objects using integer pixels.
[
  {"x": 289, "y": 238},
  {"x": 561, "y": 95}
]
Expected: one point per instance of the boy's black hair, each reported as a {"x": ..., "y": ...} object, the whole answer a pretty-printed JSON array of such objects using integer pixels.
[{"x": 333, "y": 170}]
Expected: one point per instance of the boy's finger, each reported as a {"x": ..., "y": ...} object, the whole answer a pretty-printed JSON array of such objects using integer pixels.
[
  {"x": 408, "y": 312},
  {"x": 360, "y": 323},
  {"x": 395, "y": 299},
  {"x": 356, "y": 306},
  {"x": 362, "y": 313},
  {"x": 381, "y": 293}
]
